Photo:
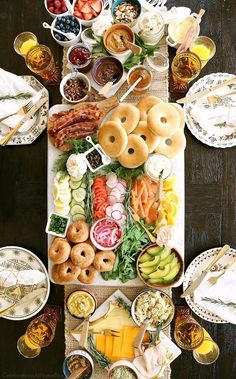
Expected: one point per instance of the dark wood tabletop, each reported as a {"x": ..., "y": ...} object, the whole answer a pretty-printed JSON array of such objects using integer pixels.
[{"x": 210, "y": 193}]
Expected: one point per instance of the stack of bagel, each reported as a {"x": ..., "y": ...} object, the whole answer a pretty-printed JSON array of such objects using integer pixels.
[
  {"x": 75, "y": 257},
  {"x": 133, "y": 132}
]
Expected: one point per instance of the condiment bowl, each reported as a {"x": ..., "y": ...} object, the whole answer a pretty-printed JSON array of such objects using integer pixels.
[
  {"x": 94, "y": 241},
  {"x": 100, "y": 62},
  {"x": 54, "y": 14},
  {"x": 112, "y": 30},
  {"x": 83, "y": 67},
  {"x": 118, "y": 2},
  {"x": 71, "y": 76},
  {"x": 84, "y": 291},
  {"x": 89, "y": 22},
  {"x": 65, "y": 43},
  {"x": 162, "y": 325},
  {"x": 81, "y": 353},
  {"x": 62, "y": 235},
  {"x": 122, "y": 363},
  {"x": 141, "y": 90},
  {"x": 161, "y": 284}
]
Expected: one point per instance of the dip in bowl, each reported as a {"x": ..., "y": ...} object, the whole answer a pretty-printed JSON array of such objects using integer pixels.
[
  {"x": 114, "y": 39},
  {"x": 107, "y": 69}
]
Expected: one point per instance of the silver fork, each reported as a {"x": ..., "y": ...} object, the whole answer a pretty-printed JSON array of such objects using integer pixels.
[
  {"x": 22, "y": 111},
  {"x": 213, "y": 279}
]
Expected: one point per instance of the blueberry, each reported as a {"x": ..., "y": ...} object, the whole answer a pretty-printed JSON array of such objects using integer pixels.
[
  {"x": 72, "y": 23},
  {"x": 63, "y": 19},
  {"x": 68, "y": 21}
]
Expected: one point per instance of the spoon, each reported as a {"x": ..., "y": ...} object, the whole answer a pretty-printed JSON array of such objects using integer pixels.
[
  {"x": 131, "y": 89},
  {"x": 69, "y": 35},
  {"x": 69, "y": 7},
  {"x": 160, "y": 186},
  {"x": 105, "y": 88},
  {"x": 77, "y": 373}
]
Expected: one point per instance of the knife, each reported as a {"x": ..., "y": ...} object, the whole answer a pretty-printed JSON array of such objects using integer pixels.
[
  {"x": 205, "y": 92},
  {"x": 32, "y": 111},
  {"x": 196, "y": 283},
  {"x": 24, "y": 300}
]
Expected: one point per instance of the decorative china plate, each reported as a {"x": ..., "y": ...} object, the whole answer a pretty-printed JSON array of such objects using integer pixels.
[
  {"x": 220, "y": 135},
  {"x": 18, "y": 258},
  {"x": 195, "y": 269},
  {"x": 38, "y": 122}
]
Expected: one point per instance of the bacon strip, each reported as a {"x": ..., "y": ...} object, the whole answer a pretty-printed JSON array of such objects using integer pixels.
[{"x": 77, "y": 131}]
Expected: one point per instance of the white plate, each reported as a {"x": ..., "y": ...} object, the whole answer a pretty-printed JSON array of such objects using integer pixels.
[
  {"x": 194, "y": 270},
  {"x": 178, "y": 238},
  {"x": 36, "y": 124},
  {"x": 103, "y": 308},
  {"x": 220, "y": 135},
  {"x": 22, "y": 259}
]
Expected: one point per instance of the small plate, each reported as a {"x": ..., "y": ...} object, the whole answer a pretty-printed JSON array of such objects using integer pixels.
[
  {"x": 37, "y": 123},
  {"x": 22, "y": 259},
  {"x": 194, "y": 270}
]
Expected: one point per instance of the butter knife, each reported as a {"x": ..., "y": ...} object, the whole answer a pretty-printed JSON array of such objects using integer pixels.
[
  {"x": 24, "y": 300},
  {"x": 196, "y": 283},
  {"x": 34, "y": 109},
  {"x": 205, "y": 92}
]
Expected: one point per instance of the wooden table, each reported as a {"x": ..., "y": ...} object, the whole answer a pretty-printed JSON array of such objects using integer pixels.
[{"x": 210, "y": 193}]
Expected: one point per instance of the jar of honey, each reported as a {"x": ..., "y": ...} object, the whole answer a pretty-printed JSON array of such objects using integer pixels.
[{"x": 144, "y": 84}]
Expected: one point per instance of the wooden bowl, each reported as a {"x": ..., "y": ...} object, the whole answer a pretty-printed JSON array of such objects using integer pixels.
[{"x": 161, "y": 285}]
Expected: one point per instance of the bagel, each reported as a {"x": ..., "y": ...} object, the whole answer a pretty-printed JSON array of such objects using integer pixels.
[
  {"x": 163, "y": 120},
  {"x": 65, "y": 272},
  {"x": 113, "y": 138},
  {"x": 173, "y": 145},
  {"x": 78, "y": 231},
  {"x": 127, "y": 115},
  {"x": 181, "y": 113},
  {"x": 136, "y": 152},
  {"x": 145, "y": 104},
  {"x": 151, "y": 140},
  {"x": 104, "y": 260},
  {"x": 82, "y": 255},
  {"x": 59, "y": 250},
  {"x": 88, "y": 275}
]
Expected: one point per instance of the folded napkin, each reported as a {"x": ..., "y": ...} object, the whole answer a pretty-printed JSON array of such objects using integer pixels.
[
  {"x": 11, "y": 84},
  {"x": 220, "y": 299},
  {"x": 10, "y": 278}
]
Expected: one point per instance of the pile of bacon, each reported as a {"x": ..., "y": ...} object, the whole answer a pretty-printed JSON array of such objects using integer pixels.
[{"x": 75, "y": 123}]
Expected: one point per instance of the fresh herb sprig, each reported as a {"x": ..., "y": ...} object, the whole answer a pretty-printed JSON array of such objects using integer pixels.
[
  {"x": 97, "y": 355},
  {"x": 19, "y": 96},
  {"x": 133, "y": 59},
  {"x": 220, "y": 302},
  {"x": 124, "y": 305},
  {"x": 99, "y": 50}
]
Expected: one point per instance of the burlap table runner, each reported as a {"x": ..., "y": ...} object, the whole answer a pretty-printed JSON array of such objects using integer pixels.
[{"x": 158, "y": 88}]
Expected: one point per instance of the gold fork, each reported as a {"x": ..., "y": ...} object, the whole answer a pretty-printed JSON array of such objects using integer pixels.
[
  {"x": 213, "y": 279},
  {"x": 22, "y": 111},
  {"x": 105, "y": 332},
  {"x": 214, "y": 98},
  {"x": 16, "y": 291}
]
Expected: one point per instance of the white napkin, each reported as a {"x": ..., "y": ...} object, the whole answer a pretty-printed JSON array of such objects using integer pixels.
[
  {"x": 223, "y": 290},
  {"x": 10, "y": 278},
  {"x": 11, "y": 84}
]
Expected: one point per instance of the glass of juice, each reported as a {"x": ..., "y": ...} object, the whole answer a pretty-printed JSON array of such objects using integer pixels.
[
  {"x": 204, "y": 48},
  {"x": 186, "y": 66},
  {"x": 208, "y": 352},
  {"x": 144, "y": 84},
  {"x": 23, "y": 43}
]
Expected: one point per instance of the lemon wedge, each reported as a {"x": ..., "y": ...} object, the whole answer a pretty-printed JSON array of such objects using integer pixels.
[
  {"x": 172, "y": 196},
  {"x": 169, "y": 183}
]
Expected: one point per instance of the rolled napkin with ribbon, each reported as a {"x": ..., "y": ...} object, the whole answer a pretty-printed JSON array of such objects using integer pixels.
[
  {"x": 220, "y": 298},
  {"x": 14, "y": 94},
  {"x": 11, "y": 277}
]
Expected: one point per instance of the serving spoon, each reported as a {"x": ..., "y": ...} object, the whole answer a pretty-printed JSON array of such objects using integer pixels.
[{"x": 68, "y": 35}]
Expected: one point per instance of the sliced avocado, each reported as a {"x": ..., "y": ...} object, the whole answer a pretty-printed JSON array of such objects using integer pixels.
[
  {"x": 165, "y": 253},
  {"x": 172, "y": 273},
  {"x": 167, "y": 260},
  {"x": 160, "y": 273},
  {"x": 155, "y": 281},
  {"x": 155, "y": 250},
  {"x": 154, "y": 262},
  {"x": 147, "y": 270},
  {"x": 144, "y": 276},
  {"x": 173, "y": 262},
  {"x": 145, "y": 257}
]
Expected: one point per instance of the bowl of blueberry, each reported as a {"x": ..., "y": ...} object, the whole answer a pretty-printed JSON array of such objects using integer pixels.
[
  {"x": 66, "y": 24},
  {"x": 56, "y": 7}
]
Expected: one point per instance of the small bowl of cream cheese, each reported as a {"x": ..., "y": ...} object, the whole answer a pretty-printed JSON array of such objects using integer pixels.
[{"x": 157, "y": 164}]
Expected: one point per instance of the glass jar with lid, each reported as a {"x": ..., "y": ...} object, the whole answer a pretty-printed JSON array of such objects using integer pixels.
[{"x": 151, "y": 28}]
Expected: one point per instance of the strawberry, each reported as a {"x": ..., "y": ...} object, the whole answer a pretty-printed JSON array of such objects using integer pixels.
[
  {"x": 78, "y": 14},
  {"x": 85, "y": 8},
  {"x": 79, "y": 4},
  {"x": 96, "y": 5},
  {"x": 88, "y": 16}
]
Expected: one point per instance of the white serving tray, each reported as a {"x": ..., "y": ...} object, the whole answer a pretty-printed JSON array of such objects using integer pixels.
[{"x": 178, "y": 169}]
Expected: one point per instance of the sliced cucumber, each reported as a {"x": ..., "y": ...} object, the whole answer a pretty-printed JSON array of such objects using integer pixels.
[
  {"x": 83, "y": 185},
  {"x": 74, "y": 184},
  {"x": 79, "y": 194},
  {"x": 77, "y": 209},
  {"x": 78, "y": 216}
]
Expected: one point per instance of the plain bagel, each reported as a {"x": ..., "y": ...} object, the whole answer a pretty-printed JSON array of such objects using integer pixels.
[
  {"x": 163, "y": 120},
  {"x": 145, "y": 104},
  {"x": 113, "y": 138},
  {"x": 135, "y": 153},
  {"x": 151, "y": 140},
  {"x": 127, "y": 115},
  {"x": 173, "y": 145}
]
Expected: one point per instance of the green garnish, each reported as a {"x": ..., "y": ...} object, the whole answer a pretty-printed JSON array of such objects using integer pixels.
[
  {"x": 57, "y": 224},
  {"x": 20, "y": 96},
  {"x": 97, "y": 355},
  {"x": 133, "y": 59},
  {"x": 220, "y": 302}
]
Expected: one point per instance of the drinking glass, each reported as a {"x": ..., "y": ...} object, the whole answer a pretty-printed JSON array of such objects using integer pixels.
[
  {"x": 208, "y": 352},
  {"x": 186, "y": 66},
  {"x": 204, "y": 48},
  {"x": 23, "y": 43},
  {"x": 39, "y": 333},
  {"x": 188, "y": 332}
]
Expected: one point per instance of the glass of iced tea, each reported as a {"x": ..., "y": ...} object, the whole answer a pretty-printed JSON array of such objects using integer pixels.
[
  {"x": 39, "y": 333},
  {"x": 188, "y": 332},
  {"x": 186, "y": 66}
]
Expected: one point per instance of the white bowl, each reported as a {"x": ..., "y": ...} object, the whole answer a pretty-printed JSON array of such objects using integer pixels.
[
  {"x": 62, "y": 235},
  {"x": 53, "y": 14},
  {"x": 94, "y": 241},
  {"x": 70, "y": 76},
  {"x": 66, "y": 43},
  {"x": 89, "y": 22}
]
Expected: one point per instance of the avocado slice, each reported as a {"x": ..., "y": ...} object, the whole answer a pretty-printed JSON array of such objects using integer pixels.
[
  {"x": 147, "y": 270},
  {"x": 155, "y": 281},
  {"x": 160, "y": 273},
  {"x": 145, "y": 257},
  {"x": 154, "y": 262},
  {"x": 155, "y": 250},
  {"x": 165, "y": 253},
  {"x": 172, "y": 274},
  {"x": 173, "y": 262},
  {"x": 167, "y": 260},
  {"x": 144, "y": 276}
]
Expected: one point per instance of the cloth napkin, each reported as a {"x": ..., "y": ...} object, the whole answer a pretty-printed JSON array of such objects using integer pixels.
[
  {"x": 211, "y": 115},
  {"x": 11, "y": 84},
  {"x": 222, "y": 291},
  {"x": 10, "y": 278}
]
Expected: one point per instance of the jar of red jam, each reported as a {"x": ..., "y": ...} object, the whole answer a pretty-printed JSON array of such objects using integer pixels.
[{"x": 79, "y": 58}]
